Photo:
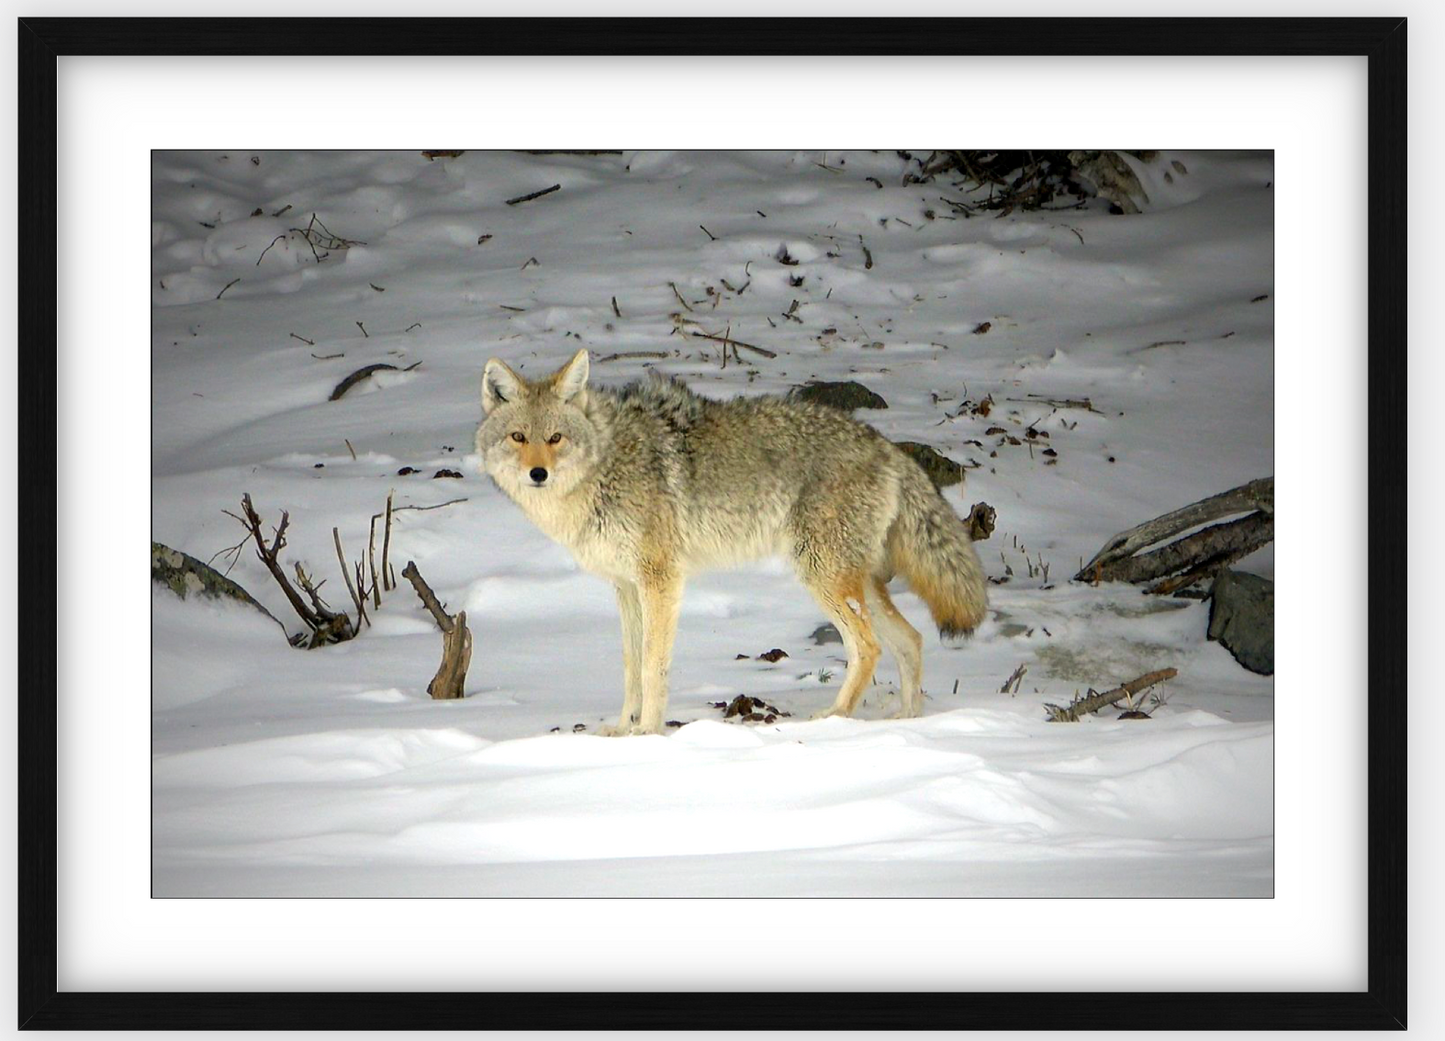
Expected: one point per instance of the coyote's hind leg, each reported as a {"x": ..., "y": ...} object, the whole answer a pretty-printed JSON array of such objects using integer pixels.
[
  {"x": 903, "y": 641},
  {"x": 844, "y": 601}
]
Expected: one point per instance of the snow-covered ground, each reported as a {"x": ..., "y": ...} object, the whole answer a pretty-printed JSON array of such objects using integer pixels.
[{"x": 288, "y": 772}]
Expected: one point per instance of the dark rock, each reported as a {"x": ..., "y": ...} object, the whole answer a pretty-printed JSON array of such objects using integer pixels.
[
  {"x": 941, "y": 470},
  {"x": 846, "y": 395},
  {"x": 1241, "y": 617},
  {"x": 774, "y": 655},
  {"x": 740, "y": 706},
  {"x": 826, "y": 633},
  {"x": 184, "y": 575}
]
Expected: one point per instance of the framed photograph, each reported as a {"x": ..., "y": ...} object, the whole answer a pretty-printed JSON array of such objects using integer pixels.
[{"x": 684, "y": 539}]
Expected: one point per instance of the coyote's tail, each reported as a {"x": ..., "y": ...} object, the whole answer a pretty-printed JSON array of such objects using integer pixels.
[{"x": 929, "y": 546}]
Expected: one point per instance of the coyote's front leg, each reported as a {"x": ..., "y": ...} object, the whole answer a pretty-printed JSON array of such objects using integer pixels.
[
  {"x": 630, "y": 608},
  {"x": 660, "y": 594}
]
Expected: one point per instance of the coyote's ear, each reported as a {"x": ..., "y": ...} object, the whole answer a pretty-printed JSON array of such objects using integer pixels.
[
  {"x": 499, "y": 385},
  {"x": 571, "y": 379}
]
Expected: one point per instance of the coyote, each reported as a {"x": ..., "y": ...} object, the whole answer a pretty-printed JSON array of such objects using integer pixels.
[{"x": 651, "y": 483}]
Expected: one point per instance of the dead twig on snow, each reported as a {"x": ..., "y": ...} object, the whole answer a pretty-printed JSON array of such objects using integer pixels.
[{"x": 1094, "y": 701}]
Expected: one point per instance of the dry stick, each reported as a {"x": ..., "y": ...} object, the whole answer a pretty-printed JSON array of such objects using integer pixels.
[
  {"x": 268, "y": 554},
  {"x": 533, "y": 195},
  {"x": 615, "y": 310},
  {"x": 867, "y": 255},
  {"x": 736, "y": 343},
  {"x": 356, "y": 377},
  {"x": 361, "y": 588},
  {"x": 451, "y": 675},
  {"x": 349, "y": 448},
  {"x": 680, "y": 300},
  {"x": 634, "y": 354},
  {"x": 308, "y": 343},
  {"x": 277, "y": 239},
  {"x": 371, "y": 564},
  {"x": 1072, "y": 712},
  {"x": 228, "y": 285},
  {"x": 1038, "y": 399},
  {"x": 445, "y": 622},
  {"x": 386, "y": 540},
  {"x": 437, "y": 506},
  {"x": 350, "y": 588},
  {"x": 363, "y": 330},
  {"x": 1015, "y": 678},
  {"x": 325, "y": 625},
  {"x": 310, "y": 588}
]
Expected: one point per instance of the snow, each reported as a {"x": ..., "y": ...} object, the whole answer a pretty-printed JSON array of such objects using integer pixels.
[{"x": 286, "y": 772}]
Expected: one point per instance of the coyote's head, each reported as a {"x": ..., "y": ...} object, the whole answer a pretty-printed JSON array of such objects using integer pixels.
[{"x": 535, "y": 438}]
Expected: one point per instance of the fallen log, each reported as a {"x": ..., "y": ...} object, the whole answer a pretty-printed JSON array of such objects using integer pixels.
[{"x": 1198, "y": 555}]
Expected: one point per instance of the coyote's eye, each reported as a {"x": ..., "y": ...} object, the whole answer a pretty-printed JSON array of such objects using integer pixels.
[
  {"x": 554, "y": 439},
  {"x": 519, "y": 437}
]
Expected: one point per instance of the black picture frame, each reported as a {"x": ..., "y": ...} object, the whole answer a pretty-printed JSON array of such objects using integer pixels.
[{"x": 43, "y": 40}]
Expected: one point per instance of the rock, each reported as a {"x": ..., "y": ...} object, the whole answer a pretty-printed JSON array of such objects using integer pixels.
[
  {"x": 185, "y": 576},
  {"x": 941, "y": 470},
  {"x": 846, "y": 395},
  {"x": 826, "y": 633},
  {"x": 1241, "y": 617},
  {"x": 1112, "y": 178}
]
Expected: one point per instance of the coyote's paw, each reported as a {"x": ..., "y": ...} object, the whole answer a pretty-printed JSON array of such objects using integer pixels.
[
  {"x": 617, "y": 730},
  {"x": 829, "y": 713},
  {"x": 908, "y": 710}
]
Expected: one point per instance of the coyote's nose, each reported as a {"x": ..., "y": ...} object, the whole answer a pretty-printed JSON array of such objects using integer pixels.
[{"x": 538, "y": 475}]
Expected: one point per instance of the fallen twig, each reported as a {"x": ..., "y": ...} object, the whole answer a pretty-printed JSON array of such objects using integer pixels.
[
  {"x": 634, "y": 354},
  {"x": 1038, "y": 399},
  {"x": 356, "y": 377},
  {"x": 533, "y": 195},
  {"x": 680, "y": 300},
  {"x": 729, "y": 340},
  {"x": 1078, "y": 707},
  {"x": 228, "y": 285}
]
